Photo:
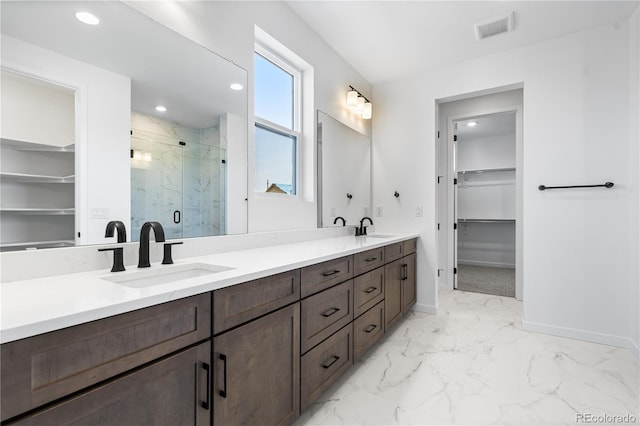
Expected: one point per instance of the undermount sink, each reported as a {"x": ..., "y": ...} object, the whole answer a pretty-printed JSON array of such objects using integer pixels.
[
  {"x": 164, "y": 275},
  {"x": 380, "y": 236}
]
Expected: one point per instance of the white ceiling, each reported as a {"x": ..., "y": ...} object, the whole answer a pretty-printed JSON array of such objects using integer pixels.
[{"x": 384, "y": 40}]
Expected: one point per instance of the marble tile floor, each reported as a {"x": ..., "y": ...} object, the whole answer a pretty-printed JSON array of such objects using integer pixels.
[{"x": 473, "y": 364}]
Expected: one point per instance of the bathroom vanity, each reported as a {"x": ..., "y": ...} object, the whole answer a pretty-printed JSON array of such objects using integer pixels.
[{"x": 255, "y": 342}]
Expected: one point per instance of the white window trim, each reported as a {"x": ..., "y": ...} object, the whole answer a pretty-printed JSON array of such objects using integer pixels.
[{"x": 271, "y": 56}]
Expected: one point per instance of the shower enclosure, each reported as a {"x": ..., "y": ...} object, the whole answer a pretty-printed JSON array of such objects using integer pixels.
[{"x": 181, "y": 184}]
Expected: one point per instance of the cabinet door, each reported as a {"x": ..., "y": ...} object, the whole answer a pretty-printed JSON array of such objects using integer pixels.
[
  {"x": 257, "y": 371},
  {"x": 50, "y": 366},
  {"x": 393, "y": 273},
  {"x": 409, "y": 283},
  {"x": 169, "y": 392}
]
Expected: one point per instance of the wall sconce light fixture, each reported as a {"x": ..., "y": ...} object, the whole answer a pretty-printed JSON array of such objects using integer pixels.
[{"x": 359, "y": 104}]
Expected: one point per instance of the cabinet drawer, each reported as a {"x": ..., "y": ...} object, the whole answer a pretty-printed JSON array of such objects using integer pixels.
[
  {"x": 368, "y": 290},
  {"x": 368, "y": 329},
  {"x": 43, "y": 368},
  {"x": 325, "y": 313},
  {"x": 325, "y": 364},
  {"x": 367, "y": 260},
  {"x": 393, "y": 252},
  {"x": 316, "y": 278},
  {"x": 172, "y": 391},
  {"x": 240, "y": 303},
  {"x": 410, "y": 246}
]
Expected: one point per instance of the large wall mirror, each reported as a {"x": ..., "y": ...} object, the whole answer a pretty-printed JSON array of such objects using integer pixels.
[
  {"x": 124, "y": 120},
  {"x": 344, "y": 157}
]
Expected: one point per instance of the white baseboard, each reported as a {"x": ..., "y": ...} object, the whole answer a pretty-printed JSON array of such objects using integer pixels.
[
  {"x": 588, "y": 336},
  {"x": 427, "y": 309}
]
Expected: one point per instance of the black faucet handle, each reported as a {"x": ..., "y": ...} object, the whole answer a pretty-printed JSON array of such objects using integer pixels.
[
  {"x": 167, "y": 259},
  {"x": 118, "y": 258}
]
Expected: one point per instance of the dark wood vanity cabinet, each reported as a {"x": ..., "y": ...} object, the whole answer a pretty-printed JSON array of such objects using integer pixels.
[
  {"x": 172, "y": 391},
  {"x": 50, "y": 366},
  {"x": 257, "y": 371},
  {"x": 258, "y": 352},
  {"x": 400, "y": 281}
]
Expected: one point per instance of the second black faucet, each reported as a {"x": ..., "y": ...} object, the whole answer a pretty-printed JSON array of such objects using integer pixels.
[{"x": 143, "y": 251}]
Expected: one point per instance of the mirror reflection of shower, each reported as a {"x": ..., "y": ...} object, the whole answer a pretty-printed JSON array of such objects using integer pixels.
[{"x": 178, "y": 178}]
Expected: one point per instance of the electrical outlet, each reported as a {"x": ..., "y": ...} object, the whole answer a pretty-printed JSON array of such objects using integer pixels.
[
  {"x": 419, "y": 210},
  {"x": 379, "y": 211},
  {"x": 100, "y": 213}
]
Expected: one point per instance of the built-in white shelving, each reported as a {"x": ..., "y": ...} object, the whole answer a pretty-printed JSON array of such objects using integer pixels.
[{"x": 37, "y": 167}]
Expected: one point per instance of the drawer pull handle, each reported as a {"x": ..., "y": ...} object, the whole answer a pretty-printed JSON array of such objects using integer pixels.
[
  {"x": 330, "y": 312},
  {"x": 371, "y": 290},
  {"x": 328, "y": 274},
  {"x": 370, "y": 259},
  {"x": 206, "y": 404},
  {"x": 223, "y": 392},
  {"x": 404, "y": 272},
  {"x": 334, "y": 359},
  {"x": 370, "y": 328}
]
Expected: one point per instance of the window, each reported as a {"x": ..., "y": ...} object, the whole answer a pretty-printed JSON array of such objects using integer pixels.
[{"x": 277, "y": 128}]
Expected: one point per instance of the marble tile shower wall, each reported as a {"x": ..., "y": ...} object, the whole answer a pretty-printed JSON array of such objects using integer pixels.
[{"x": 189, "y": 179}]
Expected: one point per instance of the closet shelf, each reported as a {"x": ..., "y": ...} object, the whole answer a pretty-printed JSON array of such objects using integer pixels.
[
  {"x": 495, "y": 170},
  {"x": 38, "y": 211},
  {"x": 32, "y": 178},
  {"x": 32, "y": 146},
  {"x": 22, "y": 245}
]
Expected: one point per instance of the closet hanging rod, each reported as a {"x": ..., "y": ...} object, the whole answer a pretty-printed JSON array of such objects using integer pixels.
[{"x": 604, "y": 185}]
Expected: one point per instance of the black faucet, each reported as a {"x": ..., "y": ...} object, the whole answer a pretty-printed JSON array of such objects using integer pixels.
[
  {"x": 362, "y": 230},
  {"x": 344, "y": 222},
  {"x": 143, "y": 252},
  {"x": 116, "y": 225}
]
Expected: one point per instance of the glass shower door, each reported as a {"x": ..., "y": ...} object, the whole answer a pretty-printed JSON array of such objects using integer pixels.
[{"x": 156, "y": 186}]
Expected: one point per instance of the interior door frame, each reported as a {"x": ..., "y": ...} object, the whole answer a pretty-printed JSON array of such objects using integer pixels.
[{"x": 451, "y": 219}]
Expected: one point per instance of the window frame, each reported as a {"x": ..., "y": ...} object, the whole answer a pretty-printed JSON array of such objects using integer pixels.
[{"x": 271, "y": 56}]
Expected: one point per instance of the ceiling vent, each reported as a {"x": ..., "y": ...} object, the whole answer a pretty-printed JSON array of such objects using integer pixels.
[{"x": 495, "y": 26}]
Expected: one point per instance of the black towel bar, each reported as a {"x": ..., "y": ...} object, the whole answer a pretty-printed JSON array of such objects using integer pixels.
[{"x": 604, "y": 185}]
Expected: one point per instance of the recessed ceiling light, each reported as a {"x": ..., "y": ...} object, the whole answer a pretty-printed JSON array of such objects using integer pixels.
[
  {"x": 236, "y": 86},
  {"x": 161, "y": 108},
  {"x": 87, "y": 18},
  {"x": 472, "y": 123}
]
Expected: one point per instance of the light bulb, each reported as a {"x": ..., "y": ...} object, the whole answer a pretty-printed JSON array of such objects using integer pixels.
[
  {"x": 366, "y": 113},
  {"x": 147, "y": 156},
  {"x": 360, "y": 105},
  {"x": 352, "y": 97}
]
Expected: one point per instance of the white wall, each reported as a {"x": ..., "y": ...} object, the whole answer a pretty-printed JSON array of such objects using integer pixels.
[
  {"x": 576, "y": 130},
  {"x": 228, "y": 28},
  {"x": 634, "y": 166},
  {"x": 103, "y": 102}
]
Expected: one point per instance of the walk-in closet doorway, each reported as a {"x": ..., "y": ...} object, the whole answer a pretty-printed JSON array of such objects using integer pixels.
[{"x": 480, "y": 203}]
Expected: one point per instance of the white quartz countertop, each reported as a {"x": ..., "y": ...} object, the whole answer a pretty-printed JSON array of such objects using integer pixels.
[{"x": 36, "y": 306}]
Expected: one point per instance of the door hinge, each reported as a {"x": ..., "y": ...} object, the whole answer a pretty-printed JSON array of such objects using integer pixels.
[
  {"x": 78, "y": 235},
  {"x": 455, "y": 226},
  {"x": 455, "y": 271},
  {"x": 439, "y": 179},
  {"x": 438, "y": 227},
  {"x": 439, "y": 271},
  {"x": 455, "y": 181},
  {"x": 438, "y": 134},
  {"x": 455, "y": 138}
]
